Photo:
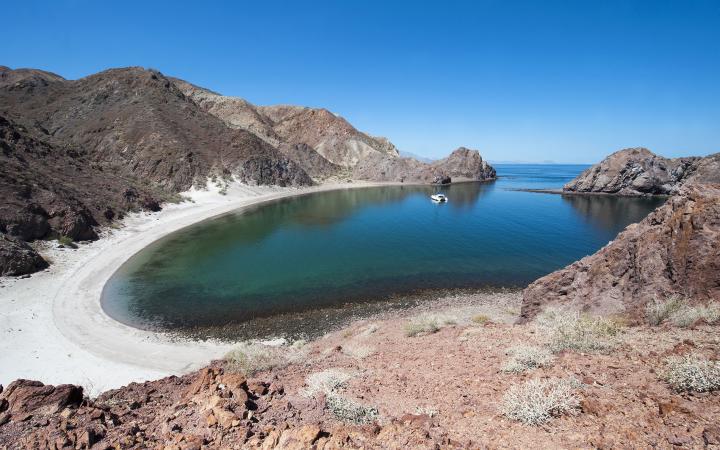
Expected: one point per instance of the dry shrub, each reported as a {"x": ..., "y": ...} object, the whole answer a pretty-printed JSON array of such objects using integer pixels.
[
  {"x": 537, "y": 401},
  {"x": 692, "y": 373},
  {"x": 689, "y": 315},
  {"x": 250, "y": 357},
  {"x": 658, "y": 311},
  {"x": 569, "y": 330},
  {"x": 481, "y": 319},
  {"x": 358, "y": 351},
  {"x": 428, "y": 324},
  {"x": 527, "y": 357},
  {"x": 328, "y": 382}
]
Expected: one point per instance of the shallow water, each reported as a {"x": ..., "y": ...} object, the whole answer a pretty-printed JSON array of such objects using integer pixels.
[{"x": 334, "y": 248}]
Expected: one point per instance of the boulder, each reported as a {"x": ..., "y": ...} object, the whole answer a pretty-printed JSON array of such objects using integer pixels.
[
  {"x": 18, "y": 258},
  {"x": 32, "y": 397}
]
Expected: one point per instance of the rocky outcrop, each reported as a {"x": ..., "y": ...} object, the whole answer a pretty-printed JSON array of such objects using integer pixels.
[
  {"x": 638, "y": 171},
  {"x": 211, "y": 408},
  {"x": 675, "y": 250},
  {"x": 462, "y": 165},
  {"x": 18, "y": 258}
]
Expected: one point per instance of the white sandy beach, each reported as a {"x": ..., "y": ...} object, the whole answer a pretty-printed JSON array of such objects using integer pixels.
[{"x": 53, "y": 329}]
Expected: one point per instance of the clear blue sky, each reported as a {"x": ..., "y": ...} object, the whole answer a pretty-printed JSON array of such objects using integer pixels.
[{"x": 569, "y": 81}]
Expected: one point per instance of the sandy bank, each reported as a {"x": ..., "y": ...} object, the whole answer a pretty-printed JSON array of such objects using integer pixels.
[{"x": 52, "y": 327}]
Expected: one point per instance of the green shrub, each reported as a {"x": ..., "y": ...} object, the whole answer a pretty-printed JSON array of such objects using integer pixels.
[{"x": 67, "y": 241}]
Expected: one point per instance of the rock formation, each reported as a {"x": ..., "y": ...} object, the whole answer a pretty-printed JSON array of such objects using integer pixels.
[
  {"x": 18, "y": 258},
  {"x": 210, "y": 408},
  {"x": 462, "y": 165},
  {"x": 638, "y": 171},
  {"x": 675, "y": 250}
]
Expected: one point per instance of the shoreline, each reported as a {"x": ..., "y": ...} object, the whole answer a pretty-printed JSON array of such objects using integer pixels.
[{"x": 53, "y": 325}]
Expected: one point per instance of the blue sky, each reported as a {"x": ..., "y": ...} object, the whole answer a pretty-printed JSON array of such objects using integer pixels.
[{"x": 569, "y": 81}]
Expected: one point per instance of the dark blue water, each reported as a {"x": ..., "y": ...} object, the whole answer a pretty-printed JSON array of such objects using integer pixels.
[{"x": 356, "y": 245}]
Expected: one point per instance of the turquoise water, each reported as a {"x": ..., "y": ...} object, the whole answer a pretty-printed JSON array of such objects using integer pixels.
[{"x": 355, "y": 245}]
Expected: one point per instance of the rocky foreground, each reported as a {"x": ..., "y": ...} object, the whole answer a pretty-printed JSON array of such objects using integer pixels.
[{"x": 357, "y": 388}]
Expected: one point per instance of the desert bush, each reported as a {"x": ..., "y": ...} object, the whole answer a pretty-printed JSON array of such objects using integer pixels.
[
  {"x": 325, "y": 382},
  {"x": 358, "y": 351},
  {"x": 427, "y": 324},
  {"x": 691, "y": 373},
  {"x": 348, "y": 410},
  {"x": 687, "y": 315},
  {"x": 658, "y": 311},
  {"x": 526, "y": 357},
  {"x": 569, "y": 330},
  {"x": 328, "y": 382},
  {"x": 537, "y": 401},
  {"x": 370, "y": 329},
  {"x": 481, "y": 319},
  {"x": 249, "y": 358}
]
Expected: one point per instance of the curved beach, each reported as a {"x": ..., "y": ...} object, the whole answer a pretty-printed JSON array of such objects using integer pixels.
[{"x": 57, "y": 313}]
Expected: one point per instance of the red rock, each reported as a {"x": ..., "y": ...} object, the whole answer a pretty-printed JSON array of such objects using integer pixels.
[
  {"x": 675, "y": 250},
  {"x": 33, "y": 397}
]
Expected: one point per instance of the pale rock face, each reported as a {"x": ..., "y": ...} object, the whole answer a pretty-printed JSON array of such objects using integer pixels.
[
  {"x": 675, "y": 250},
  {"x": 638, "y": 171}
]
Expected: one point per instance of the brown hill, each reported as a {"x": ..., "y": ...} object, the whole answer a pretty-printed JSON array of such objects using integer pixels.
[{"x": 675, "y": 250}]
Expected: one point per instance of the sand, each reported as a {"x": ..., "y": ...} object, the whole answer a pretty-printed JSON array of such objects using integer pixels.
[{"x": 52, "y": 327}]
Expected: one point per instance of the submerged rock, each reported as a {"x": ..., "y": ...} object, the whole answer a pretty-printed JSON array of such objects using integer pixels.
[{"x": 675, "y": 250}]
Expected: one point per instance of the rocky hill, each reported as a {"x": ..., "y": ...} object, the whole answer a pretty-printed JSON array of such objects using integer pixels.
[
  {"x": 138, "y": 122},
  {"x": 673, "y": 251},
  {"x": 327, "y": 145},
  {"x": 80, "y": 153},
  {"x": 638, "y": 171}
]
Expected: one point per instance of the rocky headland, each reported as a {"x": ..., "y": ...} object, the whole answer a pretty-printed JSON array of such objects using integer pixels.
[
  {"x": 638, "y": 171},
  {"x": 673, "y": 251}
]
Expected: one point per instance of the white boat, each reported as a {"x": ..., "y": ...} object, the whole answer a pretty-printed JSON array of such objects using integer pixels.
[{"x": 438, "y": 198}]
